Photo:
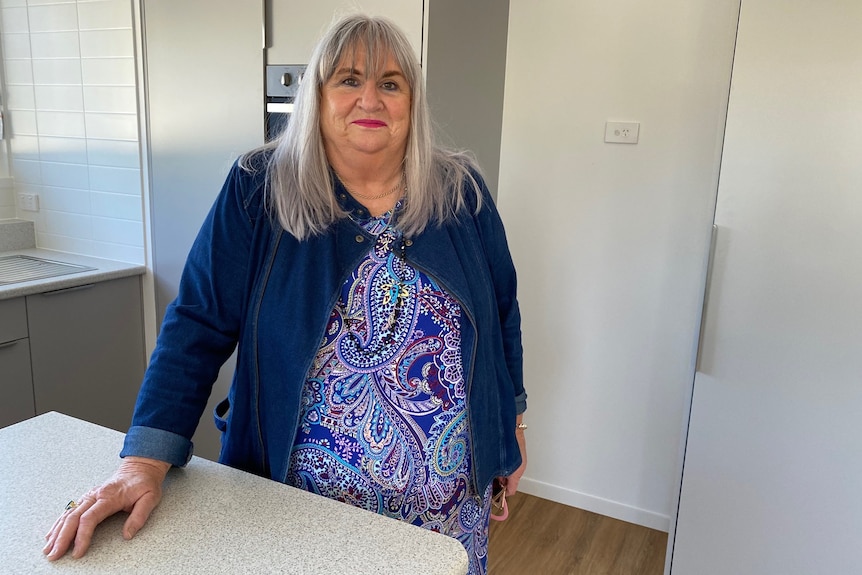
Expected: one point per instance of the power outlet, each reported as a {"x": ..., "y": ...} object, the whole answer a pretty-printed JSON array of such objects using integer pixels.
[
  {"x": 622, "y": 132},
  {"x": 28, "y": 202}
]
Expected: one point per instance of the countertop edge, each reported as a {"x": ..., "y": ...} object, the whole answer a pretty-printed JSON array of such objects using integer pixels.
[{"x": 104, "y": 270}]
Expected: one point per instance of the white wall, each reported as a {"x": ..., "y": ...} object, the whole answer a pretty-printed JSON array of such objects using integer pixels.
[
  {"x": 610, "y": 240},
  {"x": 72, "y": 114}
]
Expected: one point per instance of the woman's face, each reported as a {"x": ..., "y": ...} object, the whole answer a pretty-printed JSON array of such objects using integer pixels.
[{"x": 362, "y": 115}]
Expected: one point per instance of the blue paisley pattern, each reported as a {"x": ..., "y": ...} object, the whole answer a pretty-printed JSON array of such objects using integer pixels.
[{"x": 384, "y": 421}]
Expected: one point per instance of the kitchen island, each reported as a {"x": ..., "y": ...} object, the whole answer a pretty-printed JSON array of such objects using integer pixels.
[{"x": 212, "y": 518}]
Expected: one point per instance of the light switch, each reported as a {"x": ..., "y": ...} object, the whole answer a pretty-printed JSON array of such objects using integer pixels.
[
  {"x": 28, "y": 202},
  {"x": 622, "y": 132}
]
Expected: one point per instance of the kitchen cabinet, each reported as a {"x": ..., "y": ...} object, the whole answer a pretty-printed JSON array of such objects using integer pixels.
[
  {"x": 79, "y": 351},
  {"x": 87, "y": 350},
  {"x": 293, "y": 27},
  {"x": 17, "y": 386}
]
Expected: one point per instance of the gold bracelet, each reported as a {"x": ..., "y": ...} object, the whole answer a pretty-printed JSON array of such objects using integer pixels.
[{"x": 521, "y": 426}]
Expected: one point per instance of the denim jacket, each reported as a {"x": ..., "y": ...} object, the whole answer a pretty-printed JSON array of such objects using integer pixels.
[{"x": 249, "y": 284}]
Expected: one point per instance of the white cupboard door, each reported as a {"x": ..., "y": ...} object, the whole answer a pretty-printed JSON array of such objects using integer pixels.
[
  {"x": 773, "y": 465},
  {"x": 294, "y": 26}
]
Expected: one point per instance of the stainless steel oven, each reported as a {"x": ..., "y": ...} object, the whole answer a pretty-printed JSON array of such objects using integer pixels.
[{"x": 282, "y": 83}]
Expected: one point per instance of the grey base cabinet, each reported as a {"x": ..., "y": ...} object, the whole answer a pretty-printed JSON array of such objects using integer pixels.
[
  {"x": 17, "y": 383},
  {"x": 87, "y": 351},
  {"x": 79, "y": 351}
]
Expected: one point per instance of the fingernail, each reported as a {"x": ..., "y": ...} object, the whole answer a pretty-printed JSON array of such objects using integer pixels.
[{"x": 131, "y": 533}]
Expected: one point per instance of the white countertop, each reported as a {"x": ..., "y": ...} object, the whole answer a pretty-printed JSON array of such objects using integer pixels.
[
  {"x": 104, "y": 270},
  {"x": 212, "y": 519}
]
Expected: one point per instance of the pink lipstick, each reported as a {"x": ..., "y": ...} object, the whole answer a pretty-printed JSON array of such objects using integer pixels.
[{"x": 367, "y": 123}]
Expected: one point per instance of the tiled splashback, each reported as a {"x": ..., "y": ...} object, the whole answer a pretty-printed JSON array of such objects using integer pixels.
[{"x": 72, "y": 115}]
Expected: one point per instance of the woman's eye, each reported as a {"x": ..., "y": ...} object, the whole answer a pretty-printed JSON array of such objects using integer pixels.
[
  {"x": 350, "y": 81},
  {"x": 391, "y": 86}
]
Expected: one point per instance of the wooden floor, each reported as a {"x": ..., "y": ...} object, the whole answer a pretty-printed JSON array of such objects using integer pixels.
[{"x": 546, "y": 538}]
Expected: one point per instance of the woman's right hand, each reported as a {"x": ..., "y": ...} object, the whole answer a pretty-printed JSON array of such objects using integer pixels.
[{"x": 136, "y": 488}]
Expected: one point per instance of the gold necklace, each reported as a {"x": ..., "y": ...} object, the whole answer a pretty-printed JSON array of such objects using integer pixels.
[{"x": 375, "y": 197}]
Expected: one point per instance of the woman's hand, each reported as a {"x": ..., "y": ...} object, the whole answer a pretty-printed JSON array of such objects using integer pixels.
[
  {"x": 136, "y": 487},
  {"x": 511, "y": 482}
]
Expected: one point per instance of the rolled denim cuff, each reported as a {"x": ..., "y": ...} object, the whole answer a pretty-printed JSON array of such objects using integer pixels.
[
  {"x": 157, "y": 444},
  {"x": 521, "y": 403}
]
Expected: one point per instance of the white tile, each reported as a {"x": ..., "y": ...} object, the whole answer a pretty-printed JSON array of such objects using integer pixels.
[
  {"x": 64, "y": 243},
  {"x": 69, "y": 124},
  {"x": 116, "y": 99},
  {"x": 61, "y": 71},
  {"x": 108, "y": 71},
  {"x": 65, "y": 175},
  {"x": 53, "y": 18},
  {"x": 66, "y": 150},
  {"x": 20, "y": 98},
  {"x": 21, "y": 123},
  {"x": 131, "y": 254},
  {"x": 55, "y": 45},
  {"x": 125, "y": 232},
  {"x": 116, "y": 206},
  {"x": 67, "y": 224},
  {"x": 116, "y": 180},
  {"x": 8, "y": 213},
  {"x": 11, "y": 3},
  {"x": 14, "y": 20},
  {"x": 18, "y": 72},
  {"x": 65, "y": 200},
  {"x": 60, "y": 98},
  {"x": 7, "y": 197},
  {"x": 26, "y": 171},
  {"x": 16, "y": 46},
  {"x": 107, "y": 44},
  {"x": 107, "y": 14},
  {"x": 112, "y": 126},
  {"x": 25, "y": 147},
  {"x": 119, "y": 154}
]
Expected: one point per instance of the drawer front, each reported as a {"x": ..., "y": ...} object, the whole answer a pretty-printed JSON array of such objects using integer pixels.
[
  {"x": 13, "y": 319},
  {"x": 16, "y": 383}
]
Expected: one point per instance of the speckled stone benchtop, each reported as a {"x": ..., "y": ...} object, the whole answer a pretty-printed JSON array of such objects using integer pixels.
[{"x": 212, "y": 519}]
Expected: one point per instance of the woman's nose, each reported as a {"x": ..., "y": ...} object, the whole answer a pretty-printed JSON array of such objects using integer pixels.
[{"x": 369, "y": 98}]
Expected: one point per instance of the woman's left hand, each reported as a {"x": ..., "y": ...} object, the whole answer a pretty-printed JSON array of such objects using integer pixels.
[{"x": 511, "y": 482}]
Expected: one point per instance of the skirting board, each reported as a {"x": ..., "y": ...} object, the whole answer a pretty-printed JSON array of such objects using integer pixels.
[{"x": 595, "y": 504}]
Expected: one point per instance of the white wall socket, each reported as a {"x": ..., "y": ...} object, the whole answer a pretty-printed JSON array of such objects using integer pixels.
[
  {"x": 622, "y": 132},
  {"x": 28, "y": 202}
]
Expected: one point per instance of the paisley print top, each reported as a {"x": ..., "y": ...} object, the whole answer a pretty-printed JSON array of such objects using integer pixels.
[{"x": 383, "y": 419}]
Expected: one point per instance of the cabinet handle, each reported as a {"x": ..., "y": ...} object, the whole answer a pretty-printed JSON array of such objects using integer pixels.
[
  {"x": 706, "y": 292},
  {"x": 9, "y": 343},
  {"x": 67, "y": 290}
]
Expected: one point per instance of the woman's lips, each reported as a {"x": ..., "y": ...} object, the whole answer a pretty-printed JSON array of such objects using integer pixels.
[{"x": 366, "y": 123}]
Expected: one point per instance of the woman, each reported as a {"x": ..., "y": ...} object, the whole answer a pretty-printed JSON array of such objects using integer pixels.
[{"x": 364, "y": 276}]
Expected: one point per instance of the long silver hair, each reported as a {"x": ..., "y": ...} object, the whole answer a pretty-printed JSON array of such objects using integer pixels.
[{"x": 299, "y": 180}]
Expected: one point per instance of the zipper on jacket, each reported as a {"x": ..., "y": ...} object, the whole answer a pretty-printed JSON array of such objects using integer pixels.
[
  {"x": 258, "y": 303},
  {"x": 469, "y": 382},
  {"x": 333, "y": 301}
]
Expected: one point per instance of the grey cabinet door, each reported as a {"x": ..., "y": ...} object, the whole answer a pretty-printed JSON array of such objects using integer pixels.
[
  {"x": 17, "y": 386},
  {"x": 87, "y": 350}
]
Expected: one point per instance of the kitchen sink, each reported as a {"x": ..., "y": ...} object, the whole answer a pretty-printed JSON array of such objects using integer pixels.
[{"x": 14, "y": 269}]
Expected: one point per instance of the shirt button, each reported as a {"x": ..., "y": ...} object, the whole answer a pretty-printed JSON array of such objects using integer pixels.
[
  {"x": 342, "y": 196},
  {"x": 360, "y": 239},
  {"x": 408, "y": 243}
]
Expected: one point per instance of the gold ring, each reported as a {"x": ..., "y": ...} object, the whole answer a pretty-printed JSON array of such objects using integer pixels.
[{"x": 71, "y": 505}]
